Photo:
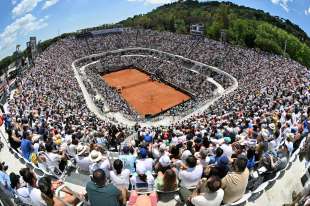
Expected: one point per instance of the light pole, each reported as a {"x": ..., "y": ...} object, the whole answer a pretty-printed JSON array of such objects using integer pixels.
[{"x": 285, "y": 46}]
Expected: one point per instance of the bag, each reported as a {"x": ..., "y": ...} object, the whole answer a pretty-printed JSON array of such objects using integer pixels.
[
  {"x": 1, "y": 120},
  {"x": 34, "y": 158},
  {"x": 142, "y": 200},
  {"x": 254, "y": 183}
]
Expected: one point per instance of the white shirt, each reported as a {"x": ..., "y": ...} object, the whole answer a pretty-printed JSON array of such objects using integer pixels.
[
  {"x": 191, "y": 176},
  {"x": 290, "y": 146},
  {"x": 104, "y": 165},
  {"x": 71, "y": 150},
  {"x": 148, "y": 163},
  {"x": 36, "y": 198},
  {"x": 52, "y": 161},
  {"x": 36, "y": 147},
  {"x": 209, "y": 199},
  {"x": 286, "y": 131},
  {"x": 23, "y": 194},
  {"x": 121, "y": 180},
  {"x": 295, "y": 117},
  {"x": 227, "y": 150},
  {"x": 174, "y": 140},
  {"x": 83, "y": 163}
]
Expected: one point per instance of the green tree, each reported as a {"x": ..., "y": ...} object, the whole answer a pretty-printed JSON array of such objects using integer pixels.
[
  {"x": 180, "y": 26},
  {"x": 249, "y": 40},
  {"x": 268, "y": 45}
]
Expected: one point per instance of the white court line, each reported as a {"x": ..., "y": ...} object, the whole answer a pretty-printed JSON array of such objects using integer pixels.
[{"x": 166, "y": 121}]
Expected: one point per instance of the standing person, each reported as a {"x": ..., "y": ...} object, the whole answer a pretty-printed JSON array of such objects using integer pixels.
[
  {"x": 128, "y": 159},
  {"x": 102, "y": 194},
  {"x": 144, "y": 160},
  {"x": 14, "y": 138},
  {"x": 53, "y": 159},
  {"x": 120, "y": 177},
  {"x": 26, "y": 145}
]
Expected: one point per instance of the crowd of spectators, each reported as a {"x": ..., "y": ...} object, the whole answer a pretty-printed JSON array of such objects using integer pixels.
[
  {"x": 166, "y": 71},
  {"x": 215, "y": 157}
]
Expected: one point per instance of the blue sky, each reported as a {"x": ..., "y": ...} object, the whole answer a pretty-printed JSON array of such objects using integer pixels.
[{"x": 48, "y": 18}]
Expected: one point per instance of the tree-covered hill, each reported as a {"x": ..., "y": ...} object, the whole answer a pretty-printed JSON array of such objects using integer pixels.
[{"x": 243, "y": 26}]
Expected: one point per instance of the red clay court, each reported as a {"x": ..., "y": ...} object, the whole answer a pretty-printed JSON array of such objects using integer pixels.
[{"x": 143, "y": 94}]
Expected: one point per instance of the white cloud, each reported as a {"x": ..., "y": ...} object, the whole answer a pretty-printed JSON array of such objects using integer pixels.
[
  {"x": 49, "y": 3},
  {"x": 24, "y": 7},
  {"x": 307, "y": 12},
  {"x": 21, "y": 26},
  {"x": 282, "y": 3},
  {"x": 14, "y": 2},
  {"x": 153, "y": 1}
]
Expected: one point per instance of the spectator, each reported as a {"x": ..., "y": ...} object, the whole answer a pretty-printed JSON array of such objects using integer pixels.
[
  {"x": 34, "y": 193},
  {"x": 53, "y": 159},
  {"x": 142, "y": 178},
  {"x": 219, "y": 169},
  {"x": 142, "y": 200},
  {"x": 82, "y": 159},
  {"x": 144, "y": 160},
  {"x": 251, "y": 158},
  {"x": 208, "y": 193},
  {"x": 128, "y": 159},
  {"x": 166, "y": 182},
  {"x": 163, "y": 164},
  {"x": 234, "y": 183},
  {"x": 47, "y": 188},
  {"x": 102, "y": 194},
  {"x": 5, "y": 181},
  {"x": 99, "y": 162},
  {"x": 226, "y": 147},
  {"x": 280, "y": 161},
  {"x": 218, "y": 153},
  {"x": 190, "y": 173},
  {"x": 20, "y": 190},
  {"x": 119, "y": 176},
  {"x": 26, "y": 146}
]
